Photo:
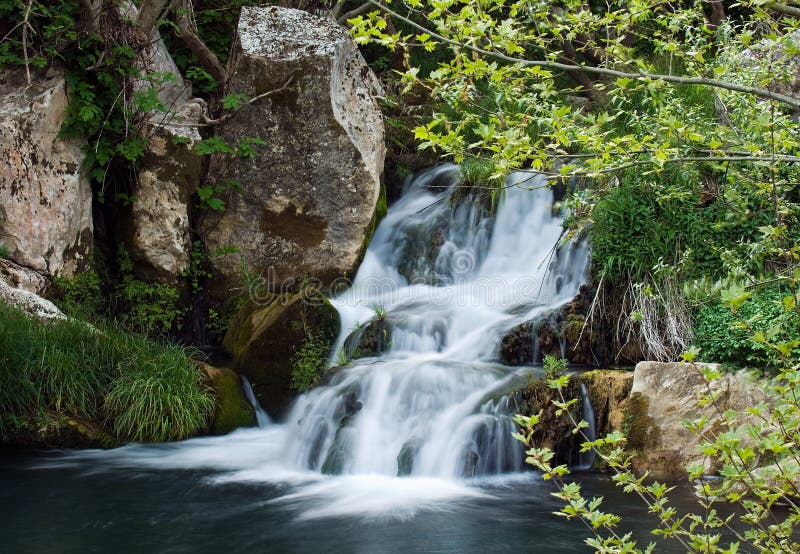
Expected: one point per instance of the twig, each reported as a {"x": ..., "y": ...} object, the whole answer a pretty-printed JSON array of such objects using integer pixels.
[
  {"x": 25, "y": 26},
  {"x": 229, "y": 115}
]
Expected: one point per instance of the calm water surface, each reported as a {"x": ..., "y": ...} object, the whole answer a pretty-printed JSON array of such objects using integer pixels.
[{"x": 52, "y": 503}]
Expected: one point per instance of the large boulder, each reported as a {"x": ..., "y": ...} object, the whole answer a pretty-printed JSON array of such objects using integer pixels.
[
  {"x": 265, "y": 337},
  {"x": 160, "y": 232},
  {"x": 664, "y": 395},
  {"x": 45, "y": 197},
  {"x": 309, "y": 195}
]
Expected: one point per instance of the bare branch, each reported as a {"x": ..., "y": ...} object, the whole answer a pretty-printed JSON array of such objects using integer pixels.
[
  {"x": 352, "y": 13},
  {"x": 208, "y": 121},
  {"x": 150, "y": 11},
  {"x": 25, "y": 27}
]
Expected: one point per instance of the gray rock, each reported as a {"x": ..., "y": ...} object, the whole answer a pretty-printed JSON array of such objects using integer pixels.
[
  {"x": 45, "y": 198},
  {"x": 160, "y": 238},
  {"x": 308, "y": 197},
  {"x": 29, "y": 302},
  {"x": 21, "y": 277},
  {"x": 667, "y": 394}
]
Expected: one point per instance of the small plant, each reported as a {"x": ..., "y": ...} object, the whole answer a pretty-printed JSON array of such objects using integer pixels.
[
  {"x": 309, "y": 363},
  {"x": 4, "y": 252},
  {"x": 151, "y": 308},
  {"x": 554, "y": 367},
  {"x": 79, "y": 296},
  {"x": 380, "y": 313}
]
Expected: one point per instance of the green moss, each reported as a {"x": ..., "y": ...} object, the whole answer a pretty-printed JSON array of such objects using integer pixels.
[
  {"x": 231, "y": 408},
  {"x": 573, "y": 327},
  {"x": 267, "y": 340},
  {"x": 640, "y": 429}
]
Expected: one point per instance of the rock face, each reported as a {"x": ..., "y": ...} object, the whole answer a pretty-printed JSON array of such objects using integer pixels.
[
  {"x": 160, "y": 236},
  {"x": 608, "y": 392},
  {"x": 309, "y": 195},
  {"x": 664, "y": 394},
  {"x": 45, "y": 199},
  {"x": 263, "y": 340}
]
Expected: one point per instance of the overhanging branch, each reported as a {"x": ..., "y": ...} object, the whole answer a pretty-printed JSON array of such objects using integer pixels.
[{"x": 640, "y": 76}]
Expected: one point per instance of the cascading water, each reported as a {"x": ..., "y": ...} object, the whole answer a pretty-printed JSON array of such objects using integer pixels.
[
  {"x": 447, "y": 281},
  {"x": 586, "y": 459},
  {"x": 443, "y": 280},
  {"x": 262, "y": 419}
]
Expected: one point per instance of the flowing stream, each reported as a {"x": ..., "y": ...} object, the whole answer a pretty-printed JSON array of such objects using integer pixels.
[{"x": 407, "y": 449}]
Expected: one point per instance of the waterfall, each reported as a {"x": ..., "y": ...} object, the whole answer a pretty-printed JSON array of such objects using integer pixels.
[
  {"x": 427, "y": 418},
  {"x": 586, "y": 459},
  {"x": 446, "y": 279},
  {"x": 262, "y": 419}
]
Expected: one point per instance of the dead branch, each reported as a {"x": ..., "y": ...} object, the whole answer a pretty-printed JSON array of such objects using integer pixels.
[
  {"x": 222, "y": 119},
  {"x": 25, "y": 27}
]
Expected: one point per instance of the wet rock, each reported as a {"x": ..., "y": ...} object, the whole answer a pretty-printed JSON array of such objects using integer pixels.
[
  {"x": 371, "y": 339},
  {"x": 608, "y": 391},
  {"x": 264, "y": 337},
  {"x": 309, "y": 196},
  {"x": 231, "y": 408},
  {"x": 45, "y": 197}
]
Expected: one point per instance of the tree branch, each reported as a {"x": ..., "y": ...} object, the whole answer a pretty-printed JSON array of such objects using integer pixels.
[
  {"x": 193, "y": 42},
  {"x": 150, "y": 12},
  {"x": 640, "y": 76},
  {"x": 208, "y": 121}
]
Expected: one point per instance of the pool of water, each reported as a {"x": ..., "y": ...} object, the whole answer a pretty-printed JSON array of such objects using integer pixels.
[{"x": 174, "y": 500}]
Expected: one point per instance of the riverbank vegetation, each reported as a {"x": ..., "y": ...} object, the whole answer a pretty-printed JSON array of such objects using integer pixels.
[{"x": 123, "y": 385}]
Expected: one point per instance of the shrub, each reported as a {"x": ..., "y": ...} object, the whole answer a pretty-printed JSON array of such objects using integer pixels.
[
  {"x": 80, "y": 296},
  {"x": 724, "y": 337}
]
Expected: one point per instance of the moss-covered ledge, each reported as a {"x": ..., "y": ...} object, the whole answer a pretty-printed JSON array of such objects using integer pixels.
[{"x": 265, "y": 338}]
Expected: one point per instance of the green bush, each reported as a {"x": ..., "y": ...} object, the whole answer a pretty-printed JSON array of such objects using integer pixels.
[
  {"x": 150, "y": 308},
  {"x": 144, "y": 390},
  {"x": 80, "y": 296},
  {"x": 723, "y": 337}
]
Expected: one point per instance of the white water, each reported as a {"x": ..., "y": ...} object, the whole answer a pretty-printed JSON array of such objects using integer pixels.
[
  {"x": 405, "y": 431},
  {"x": 262, "y": 419}
]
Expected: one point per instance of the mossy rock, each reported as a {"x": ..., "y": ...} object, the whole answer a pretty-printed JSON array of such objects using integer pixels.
[
  {"x": 231, "y": 408},
  {"x": 641, "y": 430},
  {"x": 608, "y": 391},
  {"x": 264, "y": 338},
  {"x": 371, "y": 339}
]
